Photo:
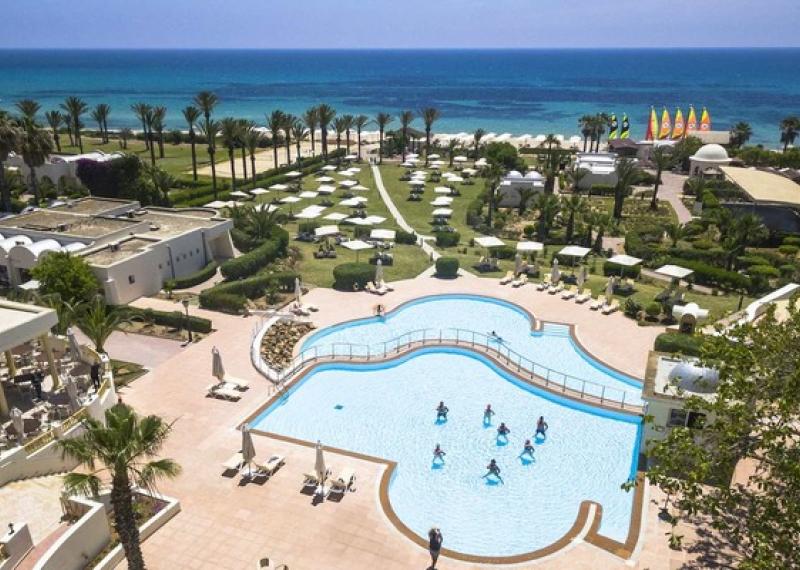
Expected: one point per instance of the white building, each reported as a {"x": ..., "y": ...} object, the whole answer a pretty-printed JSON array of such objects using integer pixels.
[
  {"x": 514, "y": 183},
  {"x": 131, "y": 249},
  {"x": 59, "y": 168},
  {"x": 600, "y": 167},
  {"x": 709, "y": 158}
]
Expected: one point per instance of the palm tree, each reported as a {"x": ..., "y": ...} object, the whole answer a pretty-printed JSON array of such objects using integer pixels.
[
  {"x": 288, "y": 123},
  {"x": 662, "y": 160},
  {"x": 311, "y": 120},
  {"x": 586, "y": 127},
  {"x": 229, "y": 134},
  {"x": 75, "y": 107},
  {"x": 191, "y": 114},
  {"x": 98, "y": 321},
  {"x": 245, "y": 127},
  {"x": 206, "y": 101},
  {"x": 476, "y": 137},
  {"x": 124, "y": 135},
  {"x": 260, "y": 222},
  {"x": 162, "y": 181},
  {"x": 100, "y": 115},
  {"x": 148, "y": 122},
  {"x": 696, "y": 185},
  {"x": 250, "y": 140},
  {"x": 55, "y": 119},
  {"x": 35, "y": 146},
  {"x": 429, "y": 116},
  {"x": 599, "y": 125},
  {"x": 740, "y": 134},
  {"x": 359, "y": 123},
  {"x": 347, "y": 123},
  {"x": 602, "y": 221},
  {"x": 125, "y": 445},
  {"x": 675, "y": 232},
  {"x": 299, "y": 134},
  {"x": 790, "y": 128},
  {"x": 493, "y": 175},
  {"x": 547, "y": 206},
  {"x": 382, "y": 120},
  {"x": 210, "y": 131},
  {"x": 325, "y": 114},
  {"x": 406, "y": 117},
  {"x": 525, "y": 195},
  {"x": 10, "y": 136},
  {"x": 159, "y": 114},
  {"x": 552, "y": 164},
  {"x": 274, "y": 125},
  {"x": 627, "y": 173},
  {"x": 574, "y": 205},
  {"x": 338, "y": 127},
  {"x": 452, "y": 146},
  {"x": 575, "y": 176},
  {"x": 28, "y": 108},
  {"x": 142, "y": 111}
]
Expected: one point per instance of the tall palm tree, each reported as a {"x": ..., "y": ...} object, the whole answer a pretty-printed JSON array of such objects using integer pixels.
[
  {"x": 28, "y": 108},
  {"x": 575, "y": 176},
  {"x": 148, "y": 133},
  {"x": 35, "y": 146},
  {"x": 627, "y": 172},
  {"x": 601, "y": 121},
  {"x": 359, "y": 123},
  {"x": 288, "y": 123},
  {"x": 245, "y": 126},
  {"x": 547, "y": 206},
  {"x": 161, "y": 180},
  {"x": 339, "y": 126},
  {"x": 675, "y": 232},
  {"x": 125, "y": 134},
  {"x": 429, "y": 116},
  {"x": 476, "y": 137},
  {"x": 348, "y": 123},
  {"x": 210, "y": 131},
  {"x": 493, "y": 176},
  {"x": 741, "y": 133},
  {"x": 229, "y": 135},
  {"x": 206, "y": 101},
  {"x": 552, "y": 164},
  {"x": 97, "y": 321},
  {"x": 574, "y": 205},
  {"x": 10, "y": 135},
  {"x": 142, "y": 110},
  {"x": 125, "y": 445},
  {"x": 586, "y": 127},
  {"x": 602, "y": 222},
  {"x": 191, "y": 114},
  {"x": 311, "y": 120},
  {"x": 790, "y": 128},
  {"x": 383, "y": 120},
  {"x": 662, "y": 160},
  {"x": 55, "y": 119},
  {"x": 75, "y": 107},
  {"x": 406, "y": 117},
  {"x": 299, "y": 134},
  {"x": 452, "y": 146},
  {"x": 100, "y": 115},
  {"x": 250, "y": 139},
  {"x": 325, "y": 114},
  {"x": 158, "y": 125},
  {"x": 275, "y": 125}
]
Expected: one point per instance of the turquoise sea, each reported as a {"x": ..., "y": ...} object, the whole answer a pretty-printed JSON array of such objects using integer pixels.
[{"x": 516, "y": 91}]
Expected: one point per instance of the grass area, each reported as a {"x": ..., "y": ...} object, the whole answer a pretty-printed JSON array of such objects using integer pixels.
[{"x": 126, "y": 372}]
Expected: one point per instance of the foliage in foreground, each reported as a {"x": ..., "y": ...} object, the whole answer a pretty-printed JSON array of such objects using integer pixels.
[{"x": 67, "y": 276}]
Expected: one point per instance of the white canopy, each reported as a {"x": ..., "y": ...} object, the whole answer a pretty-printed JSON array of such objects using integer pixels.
[
  {"x": 324, "y": 179},
  {"x": 328, "y": 168},
  {"x": 308, "y": 194},
  {"x": 443, "y": 190},
  {"x": 374, "y": 220},
  {"x": 307, "y": 215},
  {"x": 351, "y": 157},
  {"x": 348, "y": 183},
  {"x": 353, "y": 202},
  {"x": 359, "y": 188},
  {"x": 530, "y": 246},
  {"x": 442, "y": 213},
  {"x": 416, "y": 182},
  {"x": 293, "y": 174},
  {"x": 674, "y": 271},
  {"x": 354, "y": 169},
  {"x": 216, "y": 204},
  {"x": 356, "y": 245},
  {"x": 442, "y": 201},
  {"x": 239, "y": 194},
  {"x": 626, "y": 260},
  {"x": 259, "y": 191},
  {"x": 326, "y": 189},
  {"x": 323, "y": 231},
  {"x": 388, "y": 235},
  {"x": 436, "y": 163},
  {"x": 289, "y": 200},
  {"x": 278, "y": 187},
  {"x": 336, "y": 217},
  {"x": 433, "y": 156},
  {"x": 575, "y": 251},
  {"x": 455, "y": 179},
  {"x": 460, "y": 158},
  {"x": 489, "y": 241}
]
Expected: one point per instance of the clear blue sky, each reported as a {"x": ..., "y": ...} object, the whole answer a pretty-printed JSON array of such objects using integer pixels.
[{"x": 397, "y": 23}]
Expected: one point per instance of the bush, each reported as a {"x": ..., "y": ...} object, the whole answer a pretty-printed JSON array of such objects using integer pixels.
[
  {"x": 706, "y": 274},
  {"x": 258, "y": 258},
  {"x": 653, "y": 309},
  {"x": 307, "y": 226},
  {"x": 220, "y": 301},
  {"x": 409, "y": 238},
  {"x": 791, "y": 240},
  {"x": 529, "y": 230},
  {"x": 787, "y": 269},
  {"x": 789, "y": 249},
  {"x": 175, "y": 319},
  {"x": 505, "y": 252},
  {"x": 709, "y": 200},
  {"x": 632, "y": 308},
  {"x": 748, "y": 260},
  {"x": 196, "y": 278},
  {"x": 764, "y": 271},
  {"x": 447, "y": 239},
  {"x": 686, "y": 344},
  {"x": 349, "y": 276},
  {"x": 602, "y": 190},
  {"x": 447, "y": 267},
  {"x": 232, "y": 296},
  {"x": 614, "y": 269}
]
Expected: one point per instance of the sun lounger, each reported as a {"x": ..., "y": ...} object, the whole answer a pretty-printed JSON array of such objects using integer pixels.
[
  {"x": 544, "y": 284},
  {"x": 569, "y": 293},
  {"x": 299, "y": 310},
  {"x": 224, "y": 392},
  {"x": 386, "y": 286},
  {"x": 370, "y": 288},
  {"x": 311, "y": 479},
  {"x": 553, "y": 290},
  {"x": 343, "y": 482},
  {"x": 233, "y": 463},
  {"x": 597, "y": 304},
  {"x": 269, "y": 467},
  {"x": 520, "y": 281},
  {"x": 508, "y": 278},
  {"x": 382, "y": 289},
  {"x": 583, "y": 296},
  {"x": 608, "y": 309},
  {"x": 237, "y": 384}
]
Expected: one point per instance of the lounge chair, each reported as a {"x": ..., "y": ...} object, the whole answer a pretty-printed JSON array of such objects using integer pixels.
[
  {"x": 311, "y": 479},
  {"x": 234, "y": 462},
  {"x": 382, "y": 289},
  {"x": 569, "y": 293},
  {"x": 520, "y": 281},
  {"x": 610, "y": 308},
  {"x": 266, "y": 564},
  {"x": 269, "y": 467},
  {"x": 237, "y": 384},
  {"x": 583, "y": 296},
  {"x": 224, "y": 392},
  {"x": 597, "y": 304},
  {"x": 386, "y": 286},
  {"x": 555, "y": 289},
  {"x": 343, "y": 483},
  {"x": 544, "y": 284},
  {"x": 508, "y": 278},
  {"x": 300, "y": 310}
]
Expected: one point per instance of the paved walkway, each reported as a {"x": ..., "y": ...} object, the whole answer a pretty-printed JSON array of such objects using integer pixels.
[
  {"x": 671, "y": 190},
  {"x": 149, "y": 351},
  {"x": 34, "y": 501}
]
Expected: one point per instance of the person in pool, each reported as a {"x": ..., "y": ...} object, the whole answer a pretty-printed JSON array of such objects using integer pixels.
[
  {"x": 493, "y": 469},
  {"x": 503, "y": 430},
  {"x": 487, "y": 414},
  {"x": 441, "y": 411},
  {"x": 439, "y": 453},
  {"x": 528, "y": 449},
  {"x": 541, "y": 427}
]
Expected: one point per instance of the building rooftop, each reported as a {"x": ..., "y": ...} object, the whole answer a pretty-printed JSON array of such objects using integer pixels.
[
  {"x": 20, "y": 322},
  {"x": 115, "y": 252},
  {"x": 678, "y": 378},
  {"x": 69, "y": 224},
  {"x": 764, "y": 186},
  {"x": 164, "y": 223},
  {"x": 92, "y": 206}
]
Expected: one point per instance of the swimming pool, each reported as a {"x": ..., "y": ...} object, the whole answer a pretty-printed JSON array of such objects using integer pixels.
[
  {"x": 386, "y": 410},
  {"x": 552, "y": 347}
]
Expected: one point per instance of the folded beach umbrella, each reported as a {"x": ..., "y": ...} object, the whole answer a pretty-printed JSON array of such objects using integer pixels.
[
  {"x": 319, "y": 468},
  {"x": 609, "y": 289},
  {"x": 72, "y": 393},
  {"x": 248, "y": 449},
  {"x": 19, "y": 423},
  {"x": 298, "y": 292},
  {"x": 555, "y": 273},
  {"x": 217, "y": 370},
  {"x": 379, "y": 272}
]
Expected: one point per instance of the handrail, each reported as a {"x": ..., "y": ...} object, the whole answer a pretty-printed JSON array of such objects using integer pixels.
[{"x": 549, "y": 378}]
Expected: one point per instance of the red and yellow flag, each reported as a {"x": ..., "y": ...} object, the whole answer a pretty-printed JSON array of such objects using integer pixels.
[
  {"x": 652, "y": 126},
  {"x": 666, "y": 125},
  {"x": 705, "y": 120},
  {"x": 678, "y": 129},
  {"x": 691, "y": 122}
]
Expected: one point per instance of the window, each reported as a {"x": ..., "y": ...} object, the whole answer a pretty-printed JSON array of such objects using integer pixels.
[
  {"x": 131, "y": 279},
  {"x": 677, "y": 418},
  {"x": 159, "y": 266},
  {"x": 197, "y": 251}
]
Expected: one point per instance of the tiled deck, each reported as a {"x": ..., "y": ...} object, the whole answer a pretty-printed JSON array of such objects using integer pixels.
[{"x": 226, "y": 525}]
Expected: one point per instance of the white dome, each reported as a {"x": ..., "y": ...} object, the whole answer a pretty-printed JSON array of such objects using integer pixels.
[
  {"x": 694, "y": 378},
  {"x": 712, "y": 152},
  {"x": 533, "y": 175},
  {"x": 514, "y": 174}
]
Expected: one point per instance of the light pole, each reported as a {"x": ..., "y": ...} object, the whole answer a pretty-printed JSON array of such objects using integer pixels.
[{"x": 185, "y": 303}]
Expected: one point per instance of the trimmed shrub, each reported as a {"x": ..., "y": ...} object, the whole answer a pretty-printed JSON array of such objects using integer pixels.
[
  {"x": 748, "y": 260},
  {"x": 349, "y": 276},
  {"x": 709, "y": 200},
  {"x": 529, "y": 230},
  {"x": 706, "y": 274},
  {"x": 175, "y": 319},
  {"x": 307, "y": 226},
  {"x": 220, "y": 301},
  {"x": 789, "y": 249},
  {"x": 232, "y": 296},
  {"x": 689, "y": 345},
  {"x": 196, "y": 278},
  {"x": 602, "y": 190},
  {"x": 408, "y": 238},
  {"x": 614, "y": 269},
  {"x": 447, "y": 267},
  {"x": 447, "y": 239},
  {"x": 505, "y": 252},
  {"x": 255, "y": 260},
  {"x": 791, "y": 240},
  {"x": 764, "y": 271},
  {"x": 632, "y": 308},
  {"x": 653, "y": 309}
]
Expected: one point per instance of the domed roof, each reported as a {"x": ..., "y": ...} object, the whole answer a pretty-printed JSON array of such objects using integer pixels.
[
  {"x": 514, "y": 174},
  {"x": 712, "y": 152},
  {"x": 533, "y": 175},
  {"x": 694, "y": 378}
]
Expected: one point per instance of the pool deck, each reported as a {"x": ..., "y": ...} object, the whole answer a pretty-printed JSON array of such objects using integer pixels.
[{"x": 226, "y": 524}]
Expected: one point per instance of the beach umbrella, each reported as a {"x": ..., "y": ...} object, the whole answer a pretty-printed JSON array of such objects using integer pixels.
[
  {"x": 72, "y": 393},
  {"x": 609, "y": 289},
  {"x": 248, "y": 449},
  {"x": 517, "y": 263},
  {"x": 217, "y": 370},
  {"x": 379, "y": 272},
  {"x": 555, "y": 274},
  {"x": 19, "y": 424},
  {"x": 298, "y": 292},
  {"x": 74, "y": 346},
  {"x": 319, "y": 468}
]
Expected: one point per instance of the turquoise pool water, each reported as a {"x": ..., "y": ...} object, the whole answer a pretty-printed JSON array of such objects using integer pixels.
[
  {"x": 387, "y": 410},
  {"x": 552, "y": 347}
]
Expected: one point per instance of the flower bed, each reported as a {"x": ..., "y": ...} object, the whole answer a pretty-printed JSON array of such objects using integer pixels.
[{"x": 278, "y": 343}]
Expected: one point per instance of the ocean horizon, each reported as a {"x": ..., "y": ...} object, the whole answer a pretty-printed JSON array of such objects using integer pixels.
[{"x": 520, "y": 91}]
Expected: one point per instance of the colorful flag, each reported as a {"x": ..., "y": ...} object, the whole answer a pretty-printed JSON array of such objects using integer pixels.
[
  {"x": 691, "y": 122},
  {"x": 666, "y": 125},
  {"x": 626, "y": 127},
  {"x": 613, "y": 126},
  {"x": 705, "y": 120},
  {"x": 678, "y": 129},
  {"x": 652, "y": 125}
]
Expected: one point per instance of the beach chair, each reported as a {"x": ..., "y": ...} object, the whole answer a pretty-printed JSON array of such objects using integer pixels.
[
  {"x": 386, "y": 286},
  {"x": 544, "y": 284},
  {"x": 597, "y": 304},
  {"x": 233, "y": 463},
  {"x": 381, "y": 289},
  {"x": 237, "y": 384},
  {"x": 224, "y": 392},
  {"x": 520, "y": 281},
  {"x": 343, "y": 482},
  {"x": 508, "y": 278},
  {"x": 554, "y": 290},
  {"x": 610, "y": 308},
  {"x": 583, "y": 296},
  {"x": 270, "y": 466},
  {"x": 311, "y": 479},
  {"x": 569, "y": 293}
]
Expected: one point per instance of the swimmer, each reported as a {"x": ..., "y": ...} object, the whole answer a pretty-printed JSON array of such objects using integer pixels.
[
  {"x": 439, "y": 453},
  {"x": 487, "y": 414},
  {"x": 493, "y": 469},
  {"x": 541, "y": 427},
  {"x": 528, "y": 449},
  {"x": 503, "y": 430},
  {"x": 441, "y": 411}
]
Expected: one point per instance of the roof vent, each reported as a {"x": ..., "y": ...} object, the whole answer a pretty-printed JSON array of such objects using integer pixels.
[
  {"x": 114, "y": 246},
  {"x": 62, "y": 227},
  {"x": 154, "y": 227},
  {"x": 130, "y": 214}
]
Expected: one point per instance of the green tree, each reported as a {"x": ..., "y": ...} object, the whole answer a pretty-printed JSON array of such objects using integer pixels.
[
  {"x": 662, "y": 160},
  {"x": 275, "y": 124},
  {"x": 10, "y": 136},
  {"x": 602, "y": 221},
  {"x": 229, "y": 136},
  {"x": 359, "y": 122},
  {"x": 452, "y": 147},
  {"x": 191, "y": 115},
  {"x": 28, "y": 109},
  {"x": 206, "y": 101},
  {"x": 790, "y": 128},
  {"x": 325, "y": 114},
  {"x": 158, "y": 125},
  {"x": 288, "y": 122},
  {"x": 97, "y": 321},
  {"x": 161, "y": 180},
  {"x": 311, "y": 121},
  {"x": 585, "y": 125},
  {"x": 210, "y": 132},
  {"x": 124, "y": 447},
  {"x": 55, "y": 119},
  {"x": 35, "y": 145},
  {"x": 383, "y": 120},
  {"x": 740, "y": 134},
  {"x": 65, "y": 311},
  {"x": 674, "y": 232},
  {"x": 142, "y": 112},
  {"x": 505, "y": 156},
  {"x": 348, "y": 122},
  {"x": 124, "y": 134},
  {"x": 574, "y": 205},
  {"x": 575, "y": 176},
  {"x": 100, "y": 116},
  {"x": 476, "y": 139},
  {"x": 339, "y": 126},
  {"x": 547, "y": 207},
  {"x": 429, "y": 116},
  {"x": 251, "y": 140},
  {"x": 754, "y": 519},
  {"x": 685, "y": 148},
  {"x": 406, "y": 118},
  {"x": 67, "y": 276},
  {"x": 627, "y": 173},
  {"x": 300, "y": 134},
  {"x": 75, "y": 107}
]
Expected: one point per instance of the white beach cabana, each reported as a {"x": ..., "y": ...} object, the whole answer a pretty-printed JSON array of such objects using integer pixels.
[
  {"x": 674, "y": 271},
  {"x": 529, "y": 246},
  {"x": 356, "y": 245},
  {"x": 623, "y": 261},
  {"x": 279, "y": 187},
  {"x": 324, "y": 179},
  {"x": 335, "y": 217},
  {"x": 443, "y": 190},
  {"x": 326, "y": 189},
  {"x": 383, "y": 235},
  {"x": 239, "y": 194},
  {"x": 289, "y": 200},
  {"x": 293, "y": 174},
  {"x": 308, "y": 194},
  {"x": 575, "y": 251},
  {"x": 416, "y": 182},
  {"x": 460, "y": 159},
  {"x": 489, "y": 242},
  {"x": 259, "y": 191},
  {"x": 324, "y": 231},
  {"x": 375, "y": 220},
  {"x": 359, "y": 188},
  {"x": 348, "y": 183},
  {"x": 442, "y": 212},
  {"x": 216, "y": 204},
  {"x": 353, "y": 202},
  {"x": 442, "y": 201},
  {"x": 455, "y": 179},
  {"x": 328, "y": 168}
]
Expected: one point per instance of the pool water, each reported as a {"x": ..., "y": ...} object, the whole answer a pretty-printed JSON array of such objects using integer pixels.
[
  {"x": 553, "y": 347},
  {"x": 387, "y": 410}
]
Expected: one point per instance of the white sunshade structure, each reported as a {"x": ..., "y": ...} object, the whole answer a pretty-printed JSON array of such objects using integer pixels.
[
  {"x": 356, "y": 245},
  {"x": 351, "y": 157},
  {"x": 442, "y": 201},
  {"x": 437, "y": 163},
  {"x": 354, "y": 169},
  {"x": 387, "y": 235},
  {"x": 433, "y": 156},
  {"x": 470, "y": 171},
  {"x": 216, "y": 204},
  {"x": 529, "y": 246},
  {"x": 279, "y": 187},
  {"x": 460, "y": 158},
  {"x": 324, "y": 231},
  {"x": 625, "y": 260},
  {"x": 293, "y": 174},
  {"x": 290, "y": 200},
  {"x": 324, "y": 179},
  {"x": 348, "y": 183},
  {"x": 239, "y": 194},
  {"x": 353, "y": 202},
  {"x": 359, "y": 188},
  {"x": 674, "y": 271},
  {"x": 442, "y": 212},
  {"x": 575, "y": 251},
  {"x": 375, "y": 220},
  {"x": 259, "y": 191},
  {"x": 346, "y": 173},
  {"x": 416, "y": 182},
  {"x": 326, "y": 189},
  {"x": 407, "y": 164},
  {"x": 489, "y": 242},
  {"x": 335, "y": 217},
  {"x": 308, "y": 194},
  {"x": 455, "y": 179},
  {"x": 443, "y": 190},
  {"x": 329, "y": 168}
]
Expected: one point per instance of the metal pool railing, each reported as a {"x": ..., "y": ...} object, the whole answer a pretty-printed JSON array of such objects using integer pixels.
[{"x": 543, "y": 376}]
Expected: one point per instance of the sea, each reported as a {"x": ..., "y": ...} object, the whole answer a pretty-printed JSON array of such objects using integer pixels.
[{"x": 515, "y": 91}]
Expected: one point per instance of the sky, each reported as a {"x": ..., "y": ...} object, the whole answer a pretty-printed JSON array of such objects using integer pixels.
[{"x": 313, "y": 24}]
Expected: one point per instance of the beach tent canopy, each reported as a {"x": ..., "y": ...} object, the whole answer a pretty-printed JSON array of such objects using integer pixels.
[
  {"x": 354, "y": 169},
  {"x": 626, "y": 260},
  {"x": 460, "y": 158},
  {"x": 575, "y": 251},
  {"x": 356, "y": 245},
  {"x": 674, "y": 271},
  {"x": 328, "y": 167},
  {"x": 454, "y": 179},
  {"x": 359, "y": 221},
  {"x": 336, "y": 217},
  {"x": 416, "y": 182},
  {"x": 530, "y": 246},
  {"x": 443, "y": 190},
  {"x": 351, "y": 157},
  {"x": 308, "y": 194},
  {"x": 259, "y": 191},
  {"x": 359, "y": 188},
  {"x": 350, "y": 202},
  {"x": 489, "y": 242},
  {"x": 442, "y": 201},
  {"x": 324, "y": 179},
  {"x": 289, "y": 200},
  {"x": 375, "y": 220},
  {"x": 216, "y": 204},
  {"x": 323, "y": 231},
  {"x": 278, "y": 187},
  {"x": 433, "y": 156},
  {"x": 326, "y": 189},
  {"x": 388, "y": 235},
  {"x": 239, "y": 194},
  {"x": 293, "y": 174},
  {"x": 348, "y": 183},
  {"x": 442, "y": 213}
]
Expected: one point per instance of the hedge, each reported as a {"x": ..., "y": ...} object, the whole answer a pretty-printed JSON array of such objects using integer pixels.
[
  {"x": 232, "y": 296},
  {"x": 447, "y": 239},
  {"x": 637, "y": 244},
  {"x": 505, "y": 252},
  {"x": 614, "y": 269},
  {"x": 258, "y": 258},
  {"x": 447, "y": 267},
  {"x": 174, "y": 319},
  {"x": 196, "y": 278},
  {"x": 689, "y": 345},
  {"x": 791, "y": 240},
  {"x": 349, "y": 276},
  {"x": 712, "y": 256},
  {"x": 409, "y": 238},
  {"x": 602, "y": 190},
  {"x": 706, "y": 274}
]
